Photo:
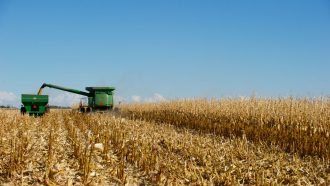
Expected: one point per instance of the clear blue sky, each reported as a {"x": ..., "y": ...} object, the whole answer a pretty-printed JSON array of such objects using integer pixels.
[{"x": 176, "y": 48}]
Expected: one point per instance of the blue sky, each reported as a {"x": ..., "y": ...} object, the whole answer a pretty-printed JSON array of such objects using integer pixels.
[{"x": 172, "y": 49}]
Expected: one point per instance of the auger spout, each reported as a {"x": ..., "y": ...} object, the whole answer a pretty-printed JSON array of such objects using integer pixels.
[{"x": 62, "y": 88}]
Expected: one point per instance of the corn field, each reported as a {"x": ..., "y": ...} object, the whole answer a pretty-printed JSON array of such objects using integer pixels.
[
  {"x": 299, "y": 126},
  {"x": 193, "y": 142}
]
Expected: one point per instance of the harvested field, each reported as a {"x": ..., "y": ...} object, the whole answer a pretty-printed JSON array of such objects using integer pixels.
[{"x": 68, "y": 148}]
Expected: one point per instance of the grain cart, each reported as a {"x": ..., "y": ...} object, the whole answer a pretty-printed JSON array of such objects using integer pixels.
[
  {"x": 34, "y": 104},
  {"x": 99, "y": 98}
]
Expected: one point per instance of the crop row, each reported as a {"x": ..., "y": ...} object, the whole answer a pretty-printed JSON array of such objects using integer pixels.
[
  {"x": 68, "y": 148},
  {"x": 295, "y": 125}
]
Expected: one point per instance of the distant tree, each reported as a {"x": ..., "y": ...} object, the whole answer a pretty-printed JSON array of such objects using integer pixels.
[{"x": 6, "y": 106}]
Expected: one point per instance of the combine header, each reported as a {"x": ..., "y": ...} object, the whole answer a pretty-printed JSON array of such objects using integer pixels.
[{"x": 99, "y": 99}]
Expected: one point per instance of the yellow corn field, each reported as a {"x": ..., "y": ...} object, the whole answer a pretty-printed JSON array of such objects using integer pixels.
[
  {"x": 193, "y": 142},
  {"x": 295, "y": 125}
]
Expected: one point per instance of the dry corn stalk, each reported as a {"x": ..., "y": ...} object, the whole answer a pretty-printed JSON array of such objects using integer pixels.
[
  {"x": 138, "y": 152},
  {"x": 296, "y": 125}
]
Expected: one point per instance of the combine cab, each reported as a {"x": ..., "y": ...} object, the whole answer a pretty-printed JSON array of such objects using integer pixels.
[{"x": 34, "y": 104}]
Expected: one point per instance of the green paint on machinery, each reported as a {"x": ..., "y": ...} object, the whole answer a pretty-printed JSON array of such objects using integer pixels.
[
  {"x": 34, "y": 104},
  {"x": 99, "y": 98}
]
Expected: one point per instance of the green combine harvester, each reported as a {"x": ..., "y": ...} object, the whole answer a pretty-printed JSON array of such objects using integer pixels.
[{"x": 99, "y": 99}]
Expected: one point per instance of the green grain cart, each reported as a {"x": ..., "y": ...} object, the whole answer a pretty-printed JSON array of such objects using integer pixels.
[{"x": 34, "y": 104}]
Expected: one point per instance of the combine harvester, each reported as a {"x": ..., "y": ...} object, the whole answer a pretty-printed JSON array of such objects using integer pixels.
[{"x": 99, "y": 99}]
